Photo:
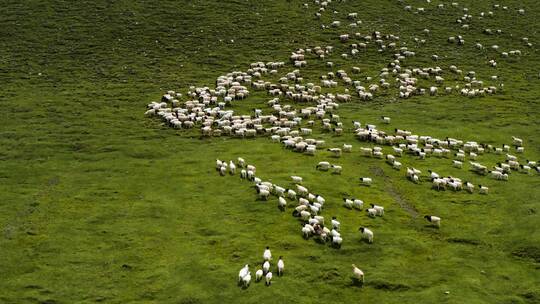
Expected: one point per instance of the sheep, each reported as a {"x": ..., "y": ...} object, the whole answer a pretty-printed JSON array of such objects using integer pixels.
[
  {"x": 336, "y": 241},
  {"x": 379, "y": 209},
  {"x": 302, "y": 191},
  {"x": 263, "y": 194},
  {"x": 366, "y": 151},
  {"x": 243, "y": 174},
  {"x": 219, "y": 164},
  {"x": 336, "y": 169},
  {"x": 291, "y": 194},
  {"x": 223, "y": 170},
  {"x": 366, "y": 234},
  {"x": 247, "y": 279},
  {"x": 267, "y": 255},
  {"x": 335, "y": 151},
  {"x": 358, "y": 274},
  {"x": 266, "y": 267},
  {"x": 323, "y": 166},
  {"x": 268, "y": 279},
  {"x": 469, "y": 186},
  {"x": 251, "y": 168},
  {"x": 517, "y": 141},
  {"x": 483, "y": 189},
  {"x": 347, "y": 148},
  {"x": 258, "y": 275},
  {"x": 358, "y": 204},
  {"x": 366, "y": 181},
  {"x": 348, "y": 203},
  {"x": 232, "y": 168},
  {"x": 243, "y": 272},
  {"x": 372, "y": 212},
  {"x": 457, "y": 164},
  {"x": 396, "y": 165},
  {"x": 434, "y": 219},
  {"x": 282, "y": 203},
  {"x": 296, "y": 179},
  {"x": 281, "y": 266},
  {"x": 385, "y": 119},
  {"x": 335, "y": 223}
]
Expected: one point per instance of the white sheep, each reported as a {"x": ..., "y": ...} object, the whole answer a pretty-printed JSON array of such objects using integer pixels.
[
  {"x": 247, "y": 279},
  {"x": 232, "y": 168},
  {"x": 434, "y": 219},
  {"x": 379, "y": 209},
  {"x": 281, "y": 266},
  {"x": 267, "y": 255},
  {"x": 282, "y": 203},
  {"x": 347, "y": 148},
  {"x": 302, "y": 191},
  {"x": 323, "y": 166},
  {"x": 366, "y": 234},
  {"x": 335, "y": 223},
  {"x": 243, "y": 272},
  {"x": 372, "y": 212},
  {"x": 358, "y": 274},
  {"x": 241, "y": 162},
  {"x": 258, "y": 275},
  {"x": 263, "y": 194},
  {"x": 296, "y": 179},
  {"x": 336, "y": 169},
  {"x": 366, "y": 181},
  {"x": 358, "y": 204},
  {"x": 483, "y": 189},
  {"x": 266, "y": 267},
  {"x": 348, "y": 203},
  {"x": 268, "y": 279}
]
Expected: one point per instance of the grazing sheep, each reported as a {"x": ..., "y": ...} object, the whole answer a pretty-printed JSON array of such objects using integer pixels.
[
  {"x": 268, "y": 279},
  {"x": 457, "y": 164},
  {"x": 366, "y": 181},
  {"x": 232, "y": 168},
  {"x": 335, "y": 151},
  {"x": 336, "y": 241},
  {"x": 434, "y": 219},
  {"x": 358, "y": 274},
  {"x": 483, "y": 189},
  {"x": 348, "y": 203},
  {"x": 323, "y": 166},
  {"x": 241, "y": 162},
  {"x": 243, "y": 272},
  {"x": 336, "y": 169},
  {"x": 366, "y": 234},
  {"x": 302, "y": 191},
  {"x": 379, "y": 209},
  {"x": 258, "y": 275},
  {"x": 347, "y": 148},
  {"x": 266, "y": 267},
  {"x": 281, "y": 266},
  {"x": 282, "y": 203},
  {"x": 296, "y": 179},
  {"x": 358, "y": 204},
  {"x": 385, "y": 119},
  {"x": 247, "y": 279},
  {"x": 267, "y": 255},
  {"x": 372, "y": 212},
  {"x": 335, "y": 223}
]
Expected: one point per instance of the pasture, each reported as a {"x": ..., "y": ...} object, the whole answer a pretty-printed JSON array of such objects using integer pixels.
[{"x": 100, "y": 203}]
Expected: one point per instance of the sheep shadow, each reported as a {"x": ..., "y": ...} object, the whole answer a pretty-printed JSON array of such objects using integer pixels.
[{"x": 355, "y": 282}]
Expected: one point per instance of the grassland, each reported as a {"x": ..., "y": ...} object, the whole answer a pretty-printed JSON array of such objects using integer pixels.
[{"x": 100, "y": 204}]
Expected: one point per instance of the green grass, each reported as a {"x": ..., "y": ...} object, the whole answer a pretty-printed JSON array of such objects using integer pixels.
[{"x": 100, "y": 204}]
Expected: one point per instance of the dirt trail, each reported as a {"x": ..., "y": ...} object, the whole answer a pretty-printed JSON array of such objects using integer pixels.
[{"x": 403, "y": 203}]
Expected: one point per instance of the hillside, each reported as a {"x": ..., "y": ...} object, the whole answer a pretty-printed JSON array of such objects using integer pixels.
[{"x": 100, "y": 203}]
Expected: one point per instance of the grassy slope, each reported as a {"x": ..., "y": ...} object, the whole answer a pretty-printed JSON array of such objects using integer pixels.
[{"x": 99, "y": 203}]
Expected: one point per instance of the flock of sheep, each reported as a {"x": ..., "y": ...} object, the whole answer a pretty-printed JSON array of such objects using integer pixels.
[{"x": 295, "y": 108}]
